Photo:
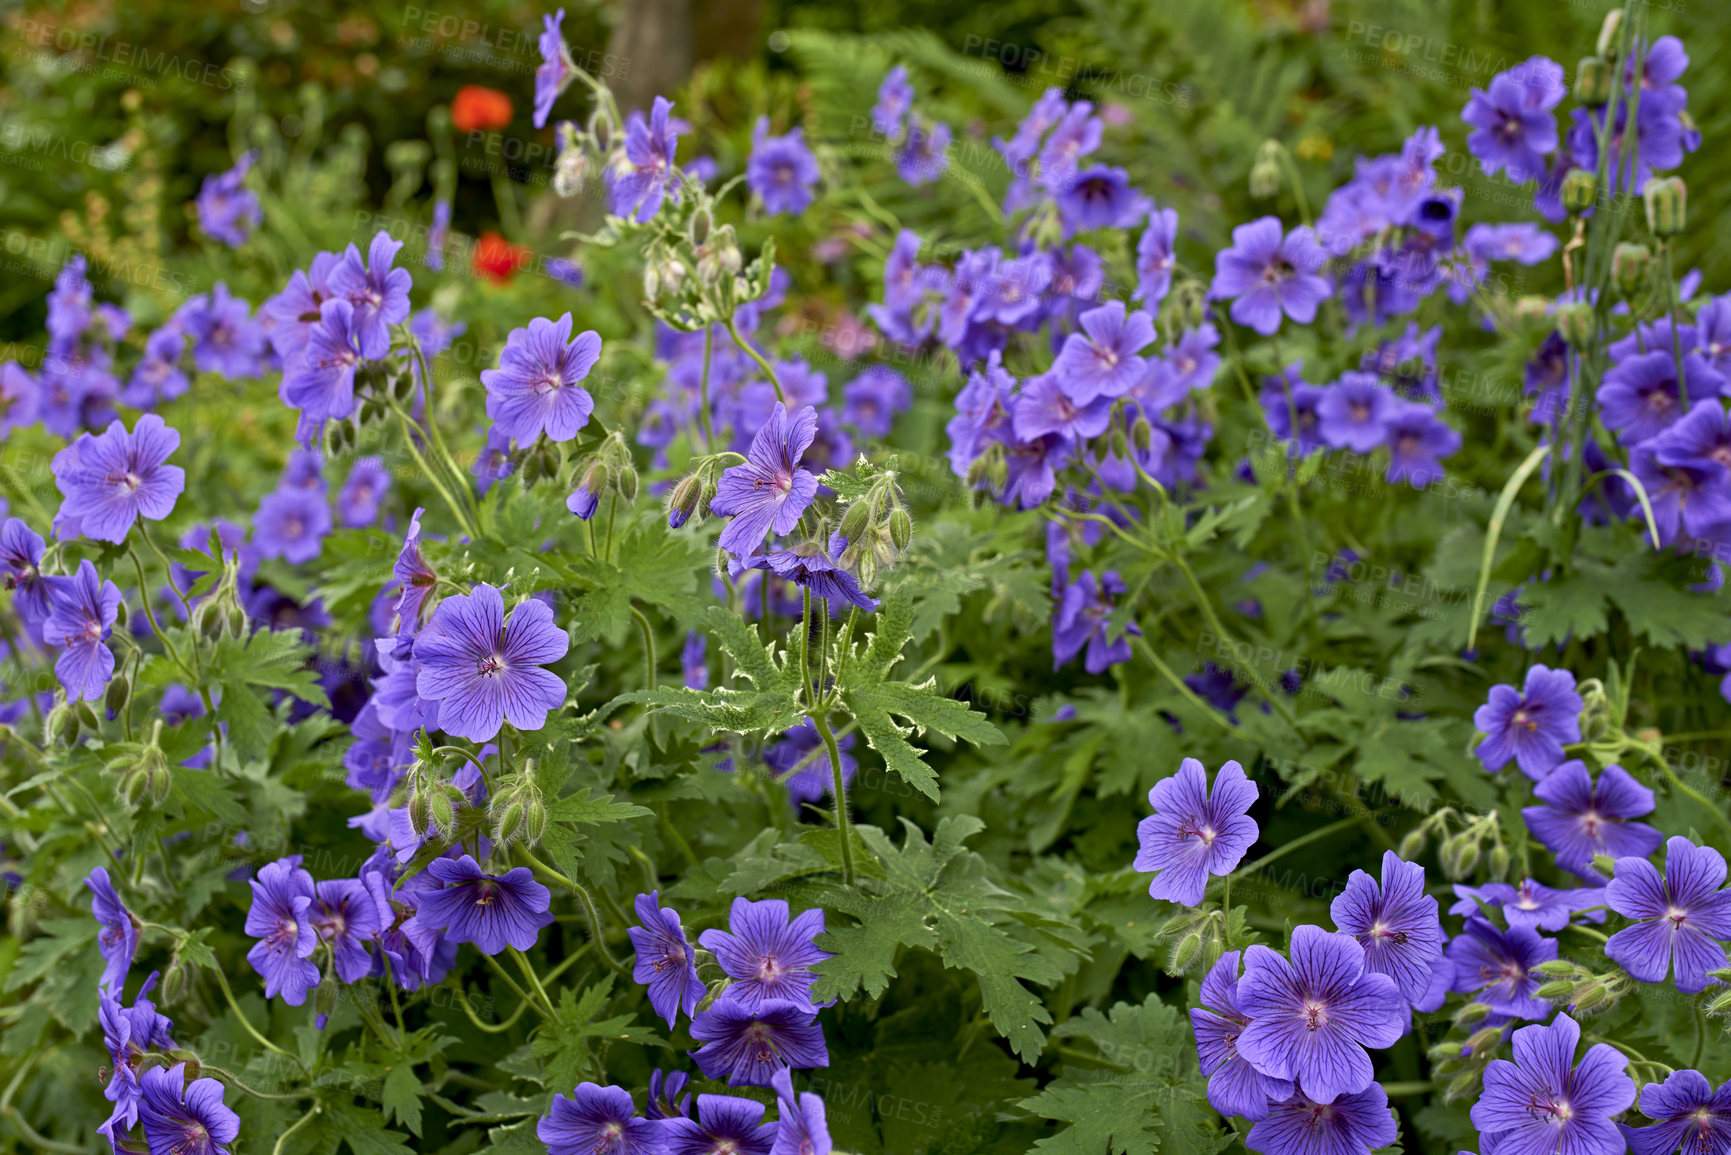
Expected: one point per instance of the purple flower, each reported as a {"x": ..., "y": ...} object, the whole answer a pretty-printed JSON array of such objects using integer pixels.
[
  {"x": 19, "y": 395},
  {"x": 725, "y": 1125},
  {"x": 1530, "y": 904},
  {"x": 415, "y": 580},
  {"x": 872, "y": 400},
  {"x": 1044, "y": 407},
  {"x": 663, "y": 1100},
  {"x": 291, "y": 524},
  {"x": 491, "y": 911},
  {"x": 346, "y": 919},
  {"x": 378, "y": 293},
  {"x": 1514, "y": 127},
  {"x": 483, "y": 670},
  {"x": 1498, "y": 966},
  {"x": 649, "y": 149},
  {"x": 895, "y": 100},
  {"x": 1193, "y": 834},
  {"x": 811, "y": 566},
  {"x": 1681, "y": 918},
  {"x": 1416, "y": 439},
  {"x": 769, "y": 491},
  {"x": 556, "y": 68},
  {"x": 128, "y": 1032},
  {"x": 1102, "y": 360},
  {"x": 534, "y": 390},
  {"x": 282, "y": 897},
  {"x": 291, "y": 315},
  {"x": 118, "y": 937},
  {"x": 1581, "y": 818},
  {"x": 358, "y": 500},
  {"x": 1544, "y": 1102},
  {"x": 1396, "y": 923},
  {"x": 1268, "y": 276},
  {"x": 1690, "y": 1114},
  {"x": 1530, "y": 725},
  {"x": 1100, "y": 197},
  {"x": 1640, "y": 399},
  {"x": 112, "y": 479},
  {"x": 799, "y": 761},
  {"x": 925, "y": 152},
  {"x": 1290, "y": 405},
  {"x": 1311, "y": 1019},
  {"x": 665, "y": 960},
  {"x": 1351, "y": 1125},
  {"x": 227, "y": 209},
  {"x": 802, "y": 1127},
  {"x": 767, "y": 956},
  {"x": 1081, "y": 620},
  {"x": 584, "y": 500},
  {"x": 1077, "y": 134},
  {"x": 781, "y": 171},
  {"x": 319, "y": 380},
  {"x": 182, "y": 1118},
  {"x": 81, "y": 616},
  {"x": 749, "y": 1044},
  {"x": 1234, "y": 1086},
  {"x": 1353, "y": 412},
  {"x": 1693, "y": 499},
  {"x": 1155, "y": 256},
  {"x": 597, "y": 1120}
]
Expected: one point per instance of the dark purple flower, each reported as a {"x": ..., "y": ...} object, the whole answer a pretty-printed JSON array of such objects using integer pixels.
[
  {"x": 19, "y": 395},
  {"x": 292, "y": 314},
  {"x": 1353, "y": 412},
  {"x": 809, "y": 565},
  {"x": 925, "y": 152},
  {"x": 1497, "y": 967},
  {"x": 1077, "y": 134},
  {"x": 1289, "y": 404},
  {"x": 291, "y": 524},
  {"x": 1311, "y": 1019},
  {"x": 1234, "y": 1086},
  {"x": 802, "y": 1127},
  {"x": 1691, "y": 499},
  {"x": 1015, "y": 292},
  {"x": 319, "y": 380},
  {"x": 749, "y": 1044},
  {"x": 227, "y": 209},
  {"x": 118, "y": 937},
  {"x": 1514, "y": 127},
  {"x": 767, "y": 956},
  {"x": 664, "y": 1100},
  {"x": 1640, "y": 399},
  {"x": 585, "y": 500},
  {"x": 491, "y": 911},
  {"x": 81, "y": 616},
  {"x": 1581, "y": 818},
  {"x": 112, "y": 479},
  {"x": 358, "y": 500},
  {"x": 1396, "y": 923},
  {"x": 1044, "y": 407},
  {"x": 666, "y": 962},
  {"x": 128, "y": 1032},
  {"x": 1100, "y": 197},
  {"x": 556, "y": 69},
  {"x": 346, "y": 919},
  {"x": 781, "y": 171},
  {"x": 182, "y": 1118},
  {"x": 769, "y": 491},
  {"x": 1690, "y": 1115},
  {"x": 1681, "y": 919},
  {"x": 1102, "y": 360},
  {"x": 1544, "y": 1102},
  {"x": 21, "y": 562},
  {"x": 1530, "y": 725},
  {"x": 534, "y": 390},
  {"x": 1417, "y": 438},
  {"x": 725, "y": 1125},
  {"x": 597, "y": 1120},
  {"x": 415, "y": 580},
  {"x": 649, "y": 148},
  {"x": 378, "y": 293},
  {"x": 1268, "y": 275},
  {"x": 1193, "y": 834},
  {"x": 1351, "y": 1125},
  {"x": 1155, "y": 257},
  {"x": 1530, "y": 904},
  {"x": 484, "y": 670},
  {"x": 1080, "y": 620},
  {"x": 282, "y": 898},
  {"x": 872, "y": 400}
]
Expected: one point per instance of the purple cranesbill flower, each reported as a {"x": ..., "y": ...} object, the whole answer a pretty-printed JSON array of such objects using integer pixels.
[
  {"x": 305, "y": 469},
  {"x": 319, "y": 380},
  {"x": 20, "y": 394},
  {"x": 766, "y": 955},
  {"x": 1497, "y": 967},
  {"x": 1267, "y": 275},
  {"x": 1077, "y": 134},
  {"x": 769, "y": 491},
  {"x": 556, "y": 69},
  {"x": 1640, "y": 399},
  {"x": 1396, "y": 923},
  {"x": 1701, "y": 439},
  {"x": 535, "y": 389},
  {"x": 290, "y": 316},
  {"x": 358, "y": 500},
  {"x": 809, "y": 565},
  {"x": 1014, "y": 294},
  {"x": 1044, "y": 407},
  {"x": 725, "y": 1125},
  {"x": 1530, "y": 904},
  {"x": 378, "y": 293},
  {"x": 1544, "y": 1101},
  {"x": 1155, "y": 257},
  {"x": 128, "y": 1032},
  {"x": 1312, "y": 1018},
  {"x": 118, "y": 937},
  {"x": 1353, "y": 412},
  {"x": 1530, "y": 725},
  {"x": 484, "y": 670},
  {"x": 1100, "y": 197},
  {"x": 182, "y": 1118},
  {"x": 1234, "y": 1086},
  {"x": 1289, "y": 404},
  {"x": 597, "y": 1120},
  {"x": 1514, "y": 125},
  {"x": 21, "y": 551},
  {"x": 282, "y": 899},
  {"x": 227, "y": 209},
  {"x": 872, "y": 400},
  {"x": 749, "y": 1044},
  {"x": 1581, "y": 818},
  {"x": 925, "y": 152},
  {"x": 1524, "y": 243},
  {"x": 346, "y": 919},
  {"x": 781, "y": 171},
  {"x": 1102, "y": 360},
  {"x": 1681, "y": 919},
  {"x": 800, "y": 762},
  {"x": 1080, "y": 620},
  {"x": 415, "y": 580},
  {"x": 1193, "y": 833},
  {"x": 491, "y": 911},
  {"x": 649, "y": 148},
  {"x": 664, "y": 1100},
  {"x": 81, "y": 615},
  {"x": 110, "y": 480},
  {"x": 666, "y": 962},
  {"x": 895, "y": 100},
  {"x": 1685, "y": 498},
  {"x": 291, "y": 524},
  {"x": 802, "y": 1127},
  {"x": 1689, "y": 1114},
  {"x": 694, "y": 660},
  {"x": 1351, "y": 1125},
  {"x": 586, "y": 498}
]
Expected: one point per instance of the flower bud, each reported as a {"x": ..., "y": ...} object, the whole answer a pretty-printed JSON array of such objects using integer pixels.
[
  {"x": 1265, "y": 171},
  {"x": 855, "y": 520},
  {"x": 325, "y": 997},
  {"x": 683, "y": 501},
  {"x": 901, "y": 528},
  {"x": 1413, "y": 843},
  {"x": 1482, "y": 1039},
  {"x": 133, "y": 787},
  {"x": 1629, "y": 264},
  {"x": 626, "y": 478},
  {"x": 1611, "y": 35},
  {"x": 1580, "y": 190},
  {"x": 1555, "y": 989},
  {"x": 1499, "y": 862},
  {"x": 1719, "y": 1004},
  {"x": 1592, "y": 996},
  {"x": 570, "y": 171},
  {"x": 534, "y": 819},
  {"x": 1604, "y": 864},
  {"x": 867, "y": 570},
  {"x": 509, "y": 823},
  {"x": 1185, "y": 954},
  {"x": 1666, "y": 199},
  {"x": 119, "y": 693},
  {"x": 176, "y": 981},
  {"x": 1593, "y": 81},
  {"x": 161, "y": 781},
  {"x": 1555, "y": 968},
  {"x": 1461, "y": 1085},
  {"x": 701, "y": 223},
  {"x": 1446, "y": 1051},
  {"x": 420, "y": 813},
  {"x": 1471, "y": 1013},
  {"x": 207, "y": 619},
  {"x": 62, "y": 725},
  {"x": 86, "y": 715},
  {"x": 1142, "y": 435},
  {"x": 1576, "y": 325}
]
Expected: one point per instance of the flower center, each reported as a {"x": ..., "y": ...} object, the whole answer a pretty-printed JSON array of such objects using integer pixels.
[
  {"x": 1676, "y": 917},
  {"x": 1315, "y": 1015},
  {"x": 490, "y": 666},
  {"x": 548, "y": 382},
  {"x": 769, "y": 969}
]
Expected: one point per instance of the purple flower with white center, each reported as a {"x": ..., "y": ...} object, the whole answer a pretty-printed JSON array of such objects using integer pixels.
[
  {"x": 415, "y": 581},
  {"x": 1524, "y": 243},
  {"x": 666, "y": 962},
  {"x": 895, "y": 100},
  {"x": 769, "y": 491},
  {"x": 1681, "y": 919},
  {"x": 1530, "y": 725},
  {"x": 227, "y": 209},
  {"x": 1702, "y": 440},
  {"x": 1690, "y": 1114},
  {"x": 282, "y": 899},
  {"x": 182, "y": 1118},
  {"x": 484, "y": 670},
  {"x": 1234, "y": 1086},
  {"x": 725, "y": 1125},
  {"x": 597, "y": 1120},
  {"x": 19, "y": 394},
  {"x": 128, "y": 1032},
  {"x": 1353, "y": 412},
  {"x": 1351, "y": 1125},
  {"x": 1497, "y": 967},
  {"x": 1514, "y": 125},
  {"x": 346, "y": 919},
  {"x": 1080, "y": 621},
  {"x": 1396, "y": 923},
  {"x": 1312, "y": 1018},
  {"x": 802, "y": 1127},
  {"x": 925, "y": 152},
  {"x": 1544, "y": 1102},
  {"x": 1100, "y": 197},
  {"x": 118, "y": 937},
  {"x": 358, "y": 500},
  {"x": 1077, "y": 134},
  {"x": 649, "y": 148},
  {"x": 782, "y": 171},
  {"x": 1289, "y": 403},
  {"x": 21, "y": 562},
  {"x": 1193, "y": 833},
  {"x": 749, "y": 1044},
  {"x": 809, "y": 565},
  {"x": 319, "y": 380},
  {"x": 1581, "y": 818},
  {"x": 1155, "y": 257},
  {"x": 291, "y": 315},
  {"x": 1685, "y": 498},
  {"x": 1014, "y": 291},
  {"x": 556, "y": 69},
  {"x": 1267, "y": 275},
  {"x": 1530, "y": 904},
  {"x": 800, "y": 762},
  {"x": 305, "y": 469},
  {"x": 1102, "y": 360},
  {"x": 291, "y": 524},
  {"x": 872, "y": 400},
  {"x": 1640, "y": 399},
  {"x": 767, "y": 956},
  {"x": 112, "y": 479},
  {"x": 491, "y": 911},
  {"x": 378, "y": 293},
  {"x": 535, "y": 389},
  {"x": 1044, "y": 407},
  {"x": 81, "y": 616}
]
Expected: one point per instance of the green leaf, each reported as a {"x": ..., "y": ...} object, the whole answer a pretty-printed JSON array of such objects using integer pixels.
[
  {"x": 561, "y": 1041},
  {"x": 769, "y": 707},
  {"x": 402, "y": 1097},
  {"x": 875, "y": 706}
]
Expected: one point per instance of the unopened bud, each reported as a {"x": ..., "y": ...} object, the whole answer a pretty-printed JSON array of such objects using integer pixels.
[
  {"x": 1580, "y": 189},
  {"x": 1142, "y": 435},
  {"x": 119, "y": 693},
  {"x": 1118, "y": 442},
  {"x": 627, "y": 479},
  {"x": 420, "y": 813},
  {"x": 1446, "y": 1051},
  {"x": 1591, "y": 997},
  {"x": 509, "y": 823},
  {"x": 1461, "y": 1085},
  {"x": 1479, "y": 1040},
  {"x": 161, "y": 781},
  {"x": 1499, "y": 862},
  {"x": 1555, "y": 969},
  {"x": 1265, "y": 171},
  {"x": 1555, "y": 990},
  {"x": 325, "y": 998},
  {"x": 867, "y": 570},
  {"x": 1188, "y": 948},
  {"x": 1576, "y": 325},
  {"x": 207, "y": 619},
  {"x": 683, "y": 501},
  {"x": 134, "y": 786},
  {"x": 1611, "y": 35},
  {"x": 176, "y": 981},
  {"x": 1629, "y": 264},
  {"x": 1413, "y": 844},
  {"x": 1667, "y": 199},
  {"x": 1604, "y": 864},
  {"x": 62, "y": 725},
  {"x": 534, "y": 820},
  {"x": 1471, "y": 1013},
  {"x": 901, "y": 528},
  {"x": 1593, "y": 81},
  {"x": 1719, "y": 1004},
  {"x": 855, "y": 520}
]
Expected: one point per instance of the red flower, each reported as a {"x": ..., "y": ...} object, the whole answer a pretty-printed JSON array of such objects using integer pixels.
[
  {"x": 478, "y": 109},
  {"x": 497, "y": 259}
]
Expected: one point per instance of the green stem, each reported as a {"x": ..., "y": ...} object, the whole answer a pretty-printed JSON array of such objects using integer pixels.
[
  {"x": 1286, "y": 848},
  {"x": 246, "y": 1023},
  {"x": 843, "y": 821},
  {"x": 1141, "y": 645},
  {"x": 704, "y": 420},
  {"x": 649, "y": 659},
  {"x": 534, "y": 982},
  {"x": 495, "y": 1028},
  {"x": 232, "y": 1080},
  {"x": 733, "y": 331},
  {"x": 150, "y": 616},
  {"x": 312, "y": 1111},
  {"x": 461, "y": 513},
  {"x": 512, "y": 983},
  {"x": 584, "y": 900}
]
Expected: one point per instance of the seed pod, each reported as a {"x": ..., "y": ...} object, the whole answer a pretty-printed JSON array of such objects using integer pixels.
[
  {"x": 1629, "y": 264},
  {"x": 1611, "y": 35},
  {"x": 1576, "y": 324},
  {"x": 1593, "y": 81},
  {"x": 1667, "y": 200},
  {"x": 901, "y": 528},
  {"x": 1580, "y": 190},
  {"x": 119, "y": 693}
]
